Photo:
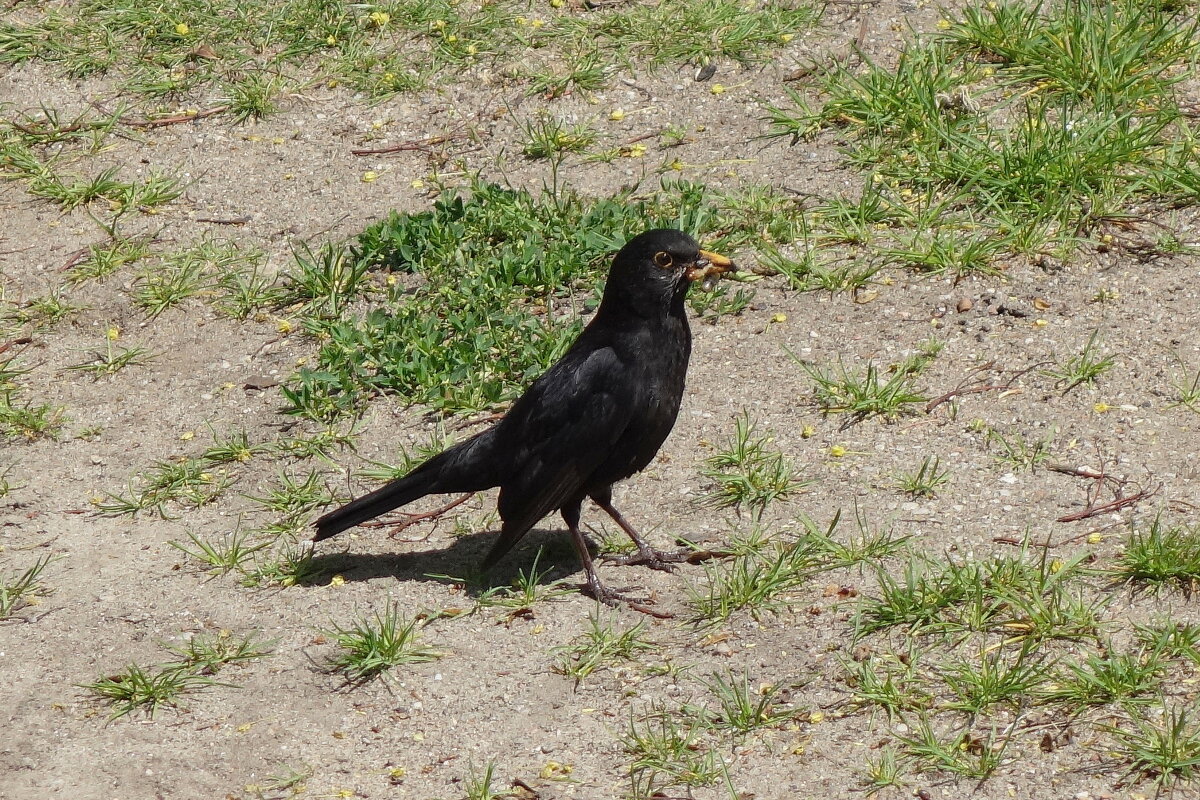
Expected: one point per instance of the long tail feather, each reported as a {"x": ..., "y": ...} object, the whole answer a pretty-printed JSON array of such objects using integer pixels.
[{"x": 466, "y": 467}]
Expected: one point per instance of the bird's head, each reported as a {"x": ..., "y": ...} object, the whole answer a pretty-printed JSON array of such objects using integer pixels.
[{"x": 658, "y": 266}]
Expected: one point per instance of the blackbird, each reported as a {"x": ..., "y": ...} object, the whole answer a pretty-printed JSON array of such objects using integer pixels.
[{"x": 595, "y": 417}]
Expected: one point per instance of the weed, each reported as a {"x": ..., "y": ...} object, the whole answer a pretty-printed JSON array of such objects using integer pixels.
[
  {"x": 547, "y": 137},
  {"x": 1164, "y": 748},
  {"x": 371, "y": 647},
  {"x": 601, "y": 646},
  {"x": 113, "y": 358},
  {"x": 995, "y": 677},
  {"x": 147, "y": 688},
  {"x": 667, "y": 751},
  {"x": 742, "y": 709},
  {"x": 863, "y": 397},
  {"x": 1161, "y": 556},
  {"x": 1019, "y": 453},
  {"x": 1083, "y": 368},
  {"x": 755, "y": 582},
  {"x": 19, "y": 590},
  {"x": 208, "y": 654},
  {"x": 222, "y": 557},
  {"x": 925, "y": 481},
  {"x": 962, "y": 754},
  {"x": 748, "y": 471},
  {"x": 527, "y": 589},
  {"x": 1101, "y": 679}
]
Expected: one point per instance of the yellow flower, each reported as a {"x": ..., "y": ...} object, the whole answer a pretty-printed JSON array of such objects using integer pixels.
[
  {"x": 369, "y": 176},
  {"x": 616, "y": 115},
  {"x": 284, "y": 326},
  {"x": 1041, "y": 323},
  {"x": 337, "y": 580},
  {"x": 182, "y": 29},
  {"x": 537, "y": 23},
  {"x": 677, "y": 165},
  {"x": 943, "y": 24},
  {"x": 417, "y": 183},
  {"x": 1095, "y": 538},
  {"x": 187, "y": 436},
  {"x": 637, "y": 151},
  {"x": 1101, "y": 407},
  {"x": 786, "y": 37},
  {"x": 807, "y": 432},
  {"x": 717, "y": 88},
  {"x": 331, "y": 40},
  {"x": 112, "y": 333},
  {"x": 556, "y": 3},
  {"x": 837, "y": 451},
  {"x": 380, "y": 18},
  {"x": 779, "y": 318}
]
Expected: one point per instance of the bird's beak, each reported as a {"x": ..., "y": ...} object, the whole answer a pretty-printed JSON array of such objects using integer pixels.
[{"x": 708, "y": 267}]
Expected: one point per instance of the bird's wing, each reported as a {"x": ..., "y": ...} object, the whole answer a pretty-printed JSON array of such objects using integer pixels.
[{"x": 561, "y": 430}]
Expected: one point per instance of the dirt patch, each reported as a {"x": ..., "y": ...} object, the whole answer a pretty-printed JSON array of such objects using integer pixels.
[{"x": 120, "y": 590}]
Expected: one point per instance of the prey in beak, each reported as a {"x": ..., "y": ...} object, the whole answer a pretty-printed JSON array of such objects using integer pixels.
[{"x": 708, "y": 268}]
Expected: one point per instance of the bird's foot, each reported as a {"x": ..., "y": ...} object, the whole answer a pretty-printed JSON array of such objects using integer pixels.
[
  {"x": 649, "y": 557},
  {"x": 610, "y": 597},
  {"x": 614, "y": 598}
]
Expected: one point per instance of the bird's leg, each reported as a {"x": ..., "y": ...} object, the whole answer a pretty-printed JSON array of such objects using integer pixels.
[
  {"x": 593, "y": 587},
  {"x": 646, "y": 554}
]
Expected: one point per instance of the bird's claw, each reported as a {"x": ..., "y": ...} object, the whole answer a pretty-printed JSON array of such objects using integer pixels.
[
  {"x": 654, "y": 559},
  {"x": 614, "y": 598},
  {"x": 611, "y": 597}
]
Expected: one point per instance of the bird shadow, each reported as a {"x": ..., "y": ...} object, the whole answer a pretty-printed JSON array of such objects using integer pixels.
[{"x": 546, "y": 556}]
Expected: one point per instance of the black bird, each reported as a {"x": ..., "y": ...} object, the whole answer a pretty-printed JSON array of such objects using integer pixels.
[{"x": 595, "y": 417}]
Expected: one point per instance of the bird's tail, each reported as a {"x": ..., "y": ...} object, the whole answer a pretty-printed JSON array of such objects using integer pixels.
[{"x": 454, "y": 470}]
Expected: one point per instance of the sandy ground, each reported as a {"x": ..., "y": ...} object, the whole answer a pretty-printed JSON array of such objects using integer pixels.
[{"x": 119, "y": 589}]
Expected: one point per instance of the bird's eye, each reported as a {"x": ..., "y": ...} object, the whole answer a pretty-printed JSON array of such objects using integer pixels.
[{"x": 663, "y": 260}]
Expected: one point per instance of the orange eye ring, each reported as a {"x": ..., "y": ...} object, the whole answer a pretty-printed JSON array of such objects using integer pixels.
[{"x": 663, "y": 259}]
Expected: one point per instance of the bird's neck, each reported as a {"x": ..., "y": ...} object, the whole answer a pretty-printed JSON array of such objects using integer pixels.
[{"x": 617, "y": 304}]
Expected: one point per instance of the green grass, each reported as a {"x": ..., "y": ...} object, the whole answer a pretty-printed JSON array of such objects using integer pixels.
[
  {"x": 1161, "y": 748},
  {"x": 370, "y": 647},
  {"x": 1021, "y": 129},
  {"x": 113, "y": 358},
  {"x": 602, "y": 645},
  {"x": 741, "y": 708},
  {"x": 747, "y": 471},
  {"x": 20, "y": 418},
  {"x": 149, "y": 688},
  {"x": 1083, "y": 368},
  {"x": 864, "y": 396},
  {"x": 756, "y": 581},
  {"x": 1161, "y": 556},
  {"x": 19, "y": 590},
  {"x": 251, "y": 51},
  {"x": 503, "y": 276},
  {"x": 668, "y": 750},
  {"x": 526, "y": 590},
  {"x": 925, "y": 480}
]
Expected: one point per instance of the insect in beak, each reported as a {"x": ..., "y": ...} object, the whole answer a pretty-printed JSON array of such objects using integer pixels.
[{"x": 708, "y": 268}]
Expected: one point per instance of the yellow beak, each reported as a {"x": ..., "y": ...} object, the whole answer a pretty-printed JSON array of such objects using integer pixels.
[{"x": 710, "y": 266}]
